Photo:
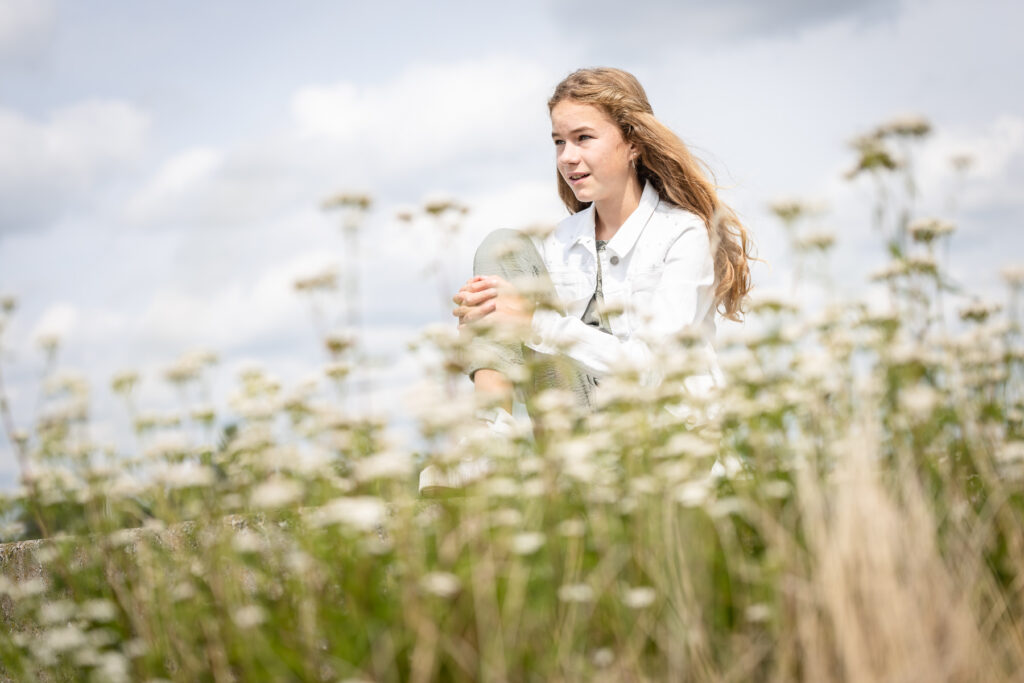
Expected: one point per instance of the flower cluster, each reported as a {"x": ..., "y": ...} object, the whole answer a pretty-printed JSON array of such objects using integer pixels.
[{"x": 846, "y": 505}]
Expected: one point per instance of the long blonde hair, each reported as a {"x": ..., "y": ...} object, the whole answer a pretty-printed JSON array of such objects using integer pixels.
[{"x": 679, "y": 177}]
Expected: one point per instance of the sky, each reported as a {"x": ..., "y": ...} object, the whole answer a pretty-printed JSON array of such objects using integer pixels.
[{"x": 162, "y": 165}]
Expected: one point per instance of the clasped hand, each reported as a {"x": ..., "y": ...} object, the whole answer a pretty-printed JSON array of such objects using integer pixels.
[{"x": 492, "y": 298}]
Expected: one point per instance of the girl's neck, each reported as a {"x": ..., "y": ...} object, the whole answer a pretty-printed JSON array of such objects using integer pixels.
[{"x": 611, "y": 213}]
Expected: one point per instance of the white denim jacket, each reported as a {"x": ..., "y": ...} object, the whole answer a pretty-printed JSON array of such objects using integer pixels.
[{"x": 658, "y": 280}]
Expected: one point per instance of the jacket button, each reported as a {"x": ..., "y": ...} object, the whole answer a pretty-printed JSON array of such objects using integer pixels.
[{"x": 614, "y": 260}]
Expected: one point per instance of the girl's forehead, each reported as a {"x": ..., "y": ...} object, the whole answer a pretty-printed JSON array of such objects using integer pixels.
[{"x": 575, "y": 114}]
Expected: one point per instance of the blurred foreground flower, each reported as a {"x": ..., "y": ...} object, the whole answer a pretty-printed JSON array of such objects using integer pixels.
[{"x": 927, "y": 230}]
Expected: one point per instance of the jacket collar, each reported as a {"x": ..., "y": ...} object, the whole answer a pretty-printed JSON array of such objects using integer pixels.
[{"x": 623, "y": 240}]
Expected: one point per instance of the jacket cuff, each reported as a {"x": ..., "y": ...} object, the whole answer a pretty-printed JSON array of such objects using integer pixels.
[{"x": 543, "y": 331}]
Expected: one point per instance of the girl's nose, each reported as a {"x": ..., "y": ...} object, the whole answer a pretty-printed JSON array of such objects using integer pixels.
[{"x": 568, "y": 154}]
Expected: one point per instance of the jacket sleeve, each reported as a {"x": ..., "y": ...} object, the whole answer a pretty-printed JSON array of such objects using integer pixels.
[{"x": 682, "y": 298}]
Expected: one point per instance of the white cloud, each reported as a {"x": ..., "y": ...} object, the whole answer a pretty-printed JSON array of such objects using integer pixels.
[
  {"x": 469, "y": 118},
  {"x": 248, "y": 310},
  {"x": 26, "y": 28},
  {"x": 77, "y": 141},
  {"x": 995, "y": 177},
  {"x": 48, "y": 166},
  {"x": 431, "y": 114},
  {"x": 168, "y": 193},
  {"x": 202, "y": 188},
  {"x": 57, "y": 320}
]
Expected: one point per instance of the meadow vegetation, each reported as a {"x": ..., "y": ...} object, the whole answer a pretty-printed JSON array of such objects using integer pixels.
[{"x": 863, "y": 523}]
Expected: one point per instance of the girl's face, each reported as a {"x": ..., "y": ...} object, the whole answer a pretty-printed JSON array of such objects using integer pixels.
[{"x": 592, "y": 156}]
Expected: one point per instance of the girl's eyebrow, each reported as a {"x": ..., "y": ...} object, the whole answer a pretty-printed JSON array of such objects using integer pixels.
[{"x": 574, "y": 131}]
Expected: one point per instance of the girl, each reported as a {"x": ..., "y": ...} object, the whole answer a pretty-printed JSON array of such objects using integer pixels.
[{"x": 648, "y": 252}]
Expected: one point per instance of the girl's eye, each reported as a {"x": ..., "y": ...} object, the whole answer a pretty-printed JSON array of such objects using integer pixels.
[
  {"x": 559, "y": 142},
  {"x": 586, "y": 137}
]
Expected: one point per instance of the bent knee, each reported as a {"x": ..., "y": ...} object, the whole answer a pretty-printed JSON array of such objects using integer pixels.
[{"x": 497, "y": 248}]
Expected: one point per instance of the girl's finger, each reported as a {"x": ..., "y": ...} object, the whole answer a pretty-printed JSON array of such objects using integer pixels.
[
  {"x": 474, "y": 313},
  {"x": 476, "y": 298}
]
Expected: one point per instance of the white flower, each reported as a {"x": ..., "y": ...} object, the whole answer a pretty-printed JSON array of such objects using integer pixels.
[
  {"x": 441, "y": 584},
  {"x": 136, "y": 647},
  {"x": 530, "y": 465},
  {"x": 249, "y": 616},
  {"x": 337, "y": 370},
  {"x": 359, "y": 512},
  {"x": 1010, "y": 452},
  {"x": 275, "y": 493},
  {"x": 123, "y": 537},
  {"x": 575, "y": 592},
  {"x": 758, "y": 612},
  {"x": 979, "y": 311},
  {"x": 63, "y": 639},
  {"x": 122, "y": 382},
  {"x": 437, "y": 204},
  {"x": 643, "y": 485},
  {"x": 728, "y": 467},
  {"x": 325, "y": 280},
  {"x": 790, "y": 209},
  {"x": 183, "y": 591},
  {"x": 56, "y": 611},
  {"x": 763, "y": 300},
  {"x": 98, "y": 610},
  {"x": 692, "y": 493},
  {"x": 538, "y": 230},
  {"x": 298, "y": 561},
  {"x": 112, "y": 667},
  {"x": 893, "y": 269},
  {"x": 186, "y": 474},
  {"x": 921, "y": 263},
  {"x": 820, "y": 240},
  {"x": 1013, "y": 275},
  {"x": 502, "y": 487},
  {"x": 572, "y": 528},
  {"x": 639, "y": 597},
  {"x": 919, "y": 401},
  {"x": 688, "y": 443},
  {"x": 124, "y": 485},
  {"x": 577, "y": 459},
  {"x": 527, "y": 543},
  {"x": 245, "y": 541},
  {"x": 507, "y": 517},
  {"x": 166, "y": 445},
  {"x": 776, "y": 488},
  {"x": 11, "y": 530},
  {"x": 204, "y": 412},
  {"x": 673, "y": 471},
  {"x": 308, "y": 460},
  {"x": 385, "y": 465},
  {"x": 67, "y": 381},
  {"x": 533, "y": 488},
  {"x": 255, "y": 408},
  {"x": 603, "y": 658},
  {"x": 928, "y": 229},
  {"x": 553, "y": 400},
  {"x": 27, "y": 588},
  {"x": 911, "y": 125}
]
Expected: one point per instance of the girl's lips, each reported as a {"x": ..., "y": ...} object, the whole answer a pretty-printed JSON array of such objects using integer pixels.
[{"x": 575, "y": 178}]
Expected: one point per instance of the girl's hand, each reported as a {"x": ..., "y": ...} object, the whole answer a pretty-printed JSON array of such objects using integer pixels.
[
  {"x": 474, "y": 300},
  {"x": 496, "y": 299}
]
